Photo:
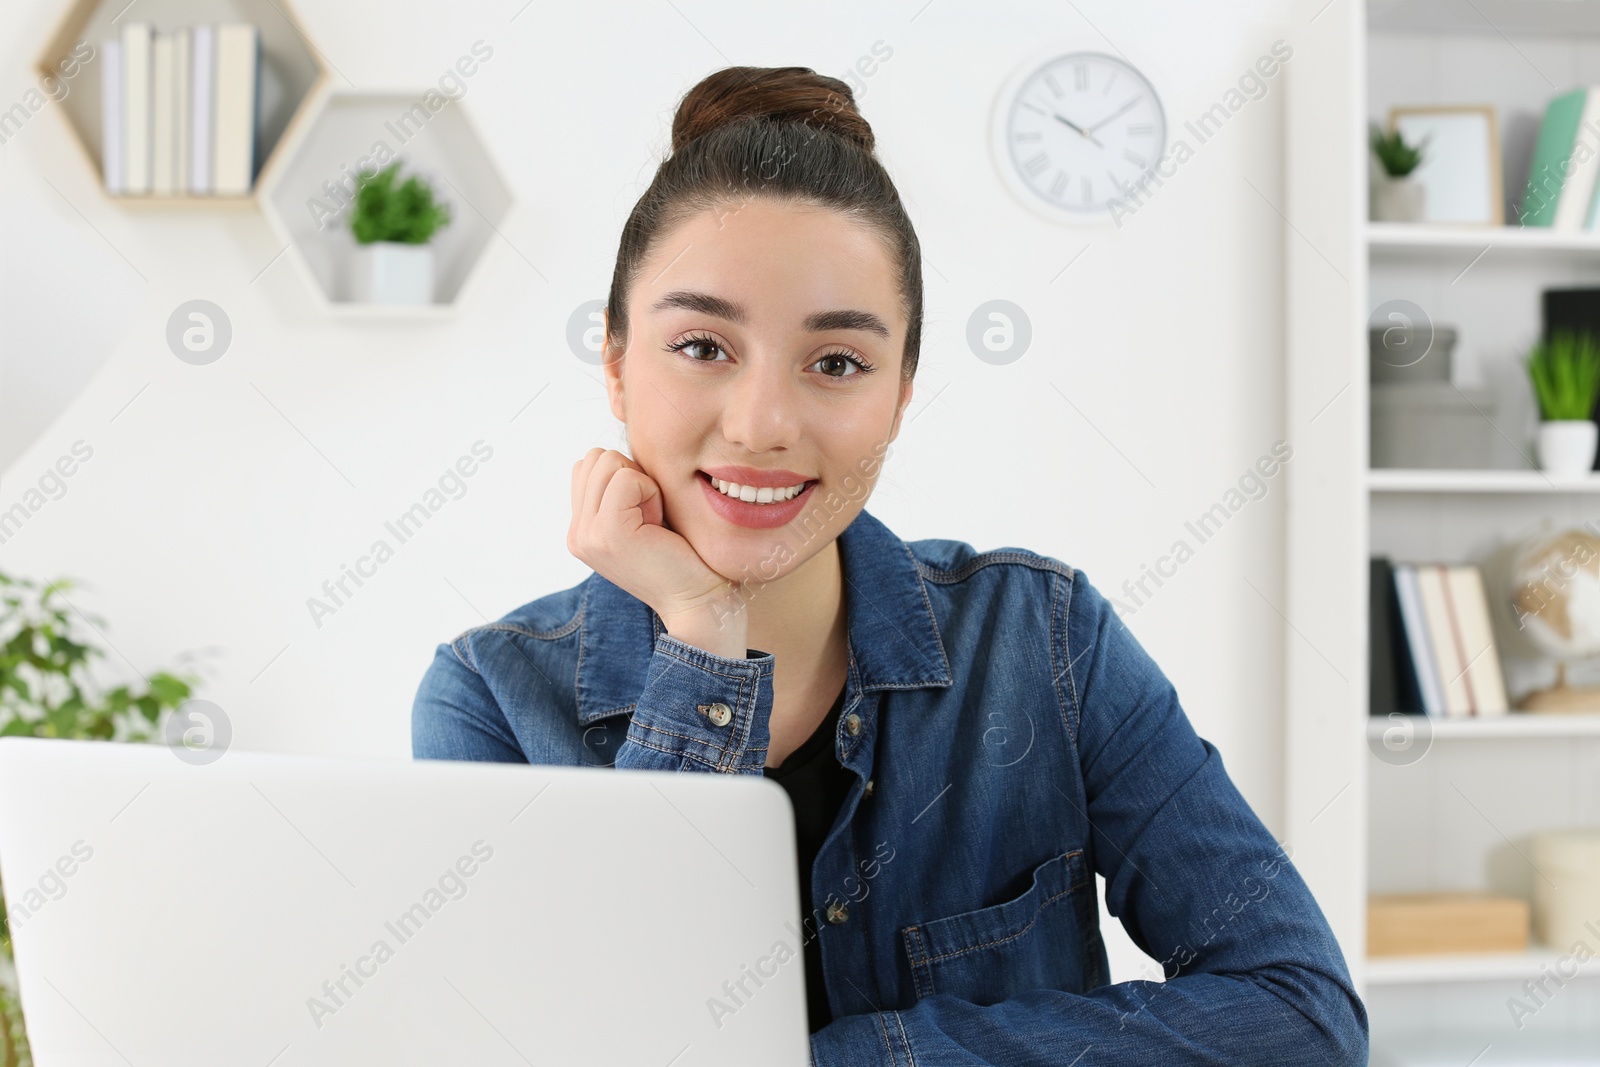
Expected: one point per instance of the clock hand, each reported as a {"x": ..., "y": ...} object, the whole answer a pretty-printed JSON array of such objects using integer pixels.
[
  {"x": 1113, "y": 115},
  {"x": 1080, "y": 129}
]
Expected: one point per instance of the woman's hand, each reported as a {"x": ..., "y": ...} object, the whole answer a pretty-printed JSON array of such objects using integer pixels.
[{"x": 617, "y": 529}]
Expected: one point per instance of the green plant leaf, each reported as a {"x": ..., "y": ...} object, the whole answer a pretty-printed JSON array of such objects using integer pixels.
[
  {"x": 404, "y": 213},
  {"x": 1398, "y": 158},
  {"x": 1564, "y": 370}
]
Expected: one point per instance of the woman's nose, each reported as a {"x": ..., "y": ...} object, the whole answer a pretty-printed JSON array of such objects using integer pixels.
[{"x": 761, "y": 407}]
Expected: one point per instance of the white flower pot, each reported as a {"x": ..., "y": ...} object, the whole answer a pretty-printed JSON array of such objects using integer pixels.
[
  {"x": 1566, "y": 447},
  {"x": 1399, "y": 200},
  {"x": 390, "y": 272}
]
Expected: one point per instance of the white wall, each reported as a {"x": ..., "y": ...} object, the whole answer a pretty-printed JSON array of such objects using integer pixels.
[{"x": 206, "y": 518}]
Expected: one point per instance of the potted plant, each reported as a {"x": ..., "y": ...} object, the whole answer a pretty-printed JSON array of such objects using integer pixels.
[
  {"x": 1396, "y": 196},
  {"x": 46, "y": 690},
  {"x": 1565, "y": 371},
  {"x": 393, "y": 224}
]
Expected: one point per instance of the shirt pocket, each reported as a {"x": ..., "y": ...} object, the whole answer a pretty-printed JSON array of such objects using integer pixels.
[{"x": 1039, "y": 939}]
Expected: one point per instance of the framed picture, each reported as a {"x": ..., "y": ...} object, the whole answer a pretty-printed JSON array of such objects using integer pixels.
[{"x": 1461, "y": 165}]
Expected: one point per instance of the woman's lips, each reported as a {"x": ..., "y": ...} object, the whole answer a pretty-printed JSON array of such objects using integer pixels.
[{"x": 751, "y": 515}]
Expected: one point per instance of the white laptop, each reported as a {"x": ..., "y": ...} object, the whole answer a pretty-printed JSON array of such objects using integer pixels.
[{"x": 270, "y": 910}]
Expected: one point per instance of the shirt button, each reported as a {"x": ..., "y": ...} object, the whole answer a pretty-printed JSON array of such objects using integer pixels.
[
  {"x": 719, "y": 713},
  {"x": 869, "y": 787},
  {"x": 837, "y": 912},
  {"x": 852, "y": 724}
]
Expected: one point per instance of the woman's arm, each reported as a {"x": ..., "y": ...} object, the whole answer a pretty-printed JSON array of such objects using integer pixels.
[
  {"x": 1254, "y": 974},
  {"x": 699, "y": 711}
]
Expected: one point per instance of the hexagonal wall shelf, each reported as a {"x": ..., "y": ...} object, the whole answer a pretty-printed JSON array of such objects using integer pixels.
[
  {"x": 290, "y": 75},
  {"x": 308, "y": 197}
]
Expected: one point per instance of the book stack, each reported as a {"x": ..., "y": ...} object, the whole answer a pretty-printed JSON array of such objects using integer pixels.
[
  {"x": 1562, "y": 186},
  {"x": 180, "y": 110},
  {"x": 1433, "y": 648}
]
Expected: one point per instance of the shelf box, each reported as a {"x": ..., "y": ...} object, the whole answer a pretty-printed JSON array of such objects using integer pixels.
[
  {"x": 291, "y": 75},
  {"x": 307, "y": 199},
  {"x": 1424, "y": 923}
]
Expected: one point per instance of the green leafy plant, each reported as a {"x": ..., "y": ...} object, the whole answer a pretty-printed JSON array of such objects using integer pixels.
[
  {"x": 46, "y": 690},
  {"x": 1565, "y": 371},
  {"x": 14, "y": 1050},
  {"x": 1397, "y": 157},
  {"x": 385, "y": 211}
]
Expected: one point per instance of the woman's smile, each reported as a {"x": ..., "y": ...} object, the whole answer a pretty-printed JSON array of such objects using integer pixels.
[{"x": 767, "y": 500}]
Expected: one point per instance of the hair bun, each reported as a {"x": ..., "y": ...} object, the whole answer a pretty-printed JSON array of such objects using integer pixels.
[{"x": 777, "y": 94}]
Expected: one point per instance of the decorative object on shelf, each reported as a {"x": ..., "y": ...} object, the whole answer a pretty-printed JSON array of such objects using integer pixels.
[
  {"x": 394, "y": 223},
  {"x": 1402, "y": 352},
  {"x": 1432, "y": 642},
  {"x": 1461, "y": 172},
  {"x": 1576, "y": 310},
  {"x": 1420, "y": 924},
  {"x": 1564, "y": 369},
  {"x": 1562, "y": 175},
  {"x": 1555, "y": 600},
  {"x": 1566, "y": 901},
  {"x": 1431, "y": 424},
  {"x": 1071, "y": 152},
  {"x": 1396, "y": 195}
]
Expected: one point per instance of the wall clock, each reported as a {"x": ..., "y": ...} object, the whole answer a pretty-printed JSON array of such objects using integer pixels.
[{"x": 1075, "y": 131}]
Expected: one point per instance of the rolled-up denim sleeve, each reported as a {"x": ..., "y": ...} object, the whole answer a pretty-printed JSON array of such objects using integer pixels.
[
  {"x": 698, "y": 711},
  {"x": 701, "y": 712},
  {"x": 1252, "y": 971}
]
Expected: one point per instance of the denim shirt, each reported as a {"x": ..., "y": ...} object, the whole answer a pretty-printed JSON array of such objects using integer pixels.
[{"x": 1009, "y": 738}]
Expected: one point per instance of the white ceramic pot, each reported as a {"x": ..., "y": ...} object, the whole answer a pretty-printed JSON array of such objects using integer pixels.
[
  {"x": 1567, "y": 911},
  {"x": 1566, "y": 447},
  {"x": 1399, "y": 200},
  {"x": 390, "y": 272}
]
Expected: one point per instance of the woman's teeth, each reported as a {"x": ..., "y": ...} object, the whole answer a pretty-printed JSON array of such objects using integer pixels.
[{"x": 751, "y": 495}]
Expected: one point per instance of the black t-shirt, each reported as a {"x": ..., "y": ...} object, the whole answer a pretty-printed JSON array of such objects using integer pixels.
[{"x": 817, "y": 784}]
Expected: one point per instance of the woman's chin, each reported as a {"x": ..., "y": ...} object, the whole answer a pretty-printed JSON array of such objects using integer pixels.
[{"x": 739, "y": 555}]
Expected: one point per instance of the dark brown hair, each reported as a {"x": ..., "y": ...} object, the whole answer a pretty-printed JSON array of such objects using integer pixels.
[{"x": 787, "y": 133}]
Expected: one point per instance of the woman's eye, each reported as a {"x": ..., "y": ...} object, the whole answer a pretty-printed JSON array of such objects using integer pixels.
[
  {"x": 838, "y": 365},
  {"x": 694, "y": 346}
]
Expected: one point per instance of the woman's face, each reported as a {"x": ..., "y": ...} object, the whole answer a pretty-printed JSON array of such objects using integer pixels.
[{"x": 752, "y": 328}]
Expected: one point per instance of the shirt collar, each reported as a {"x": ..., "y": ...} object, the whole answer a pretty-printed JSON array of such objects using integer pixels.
[{"x": 890, "y": 626}]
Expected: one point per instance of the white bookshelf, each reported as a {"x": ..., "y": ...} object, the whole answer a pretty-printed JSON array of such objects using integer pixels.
[
  {"x": 1395, "y": 480},
  {"x": 1512, "y": 726},
  {"x": 1385, "y": 237},
  {"x": 1462, "y": 816},
  {"x": 1466, "y": 967}
]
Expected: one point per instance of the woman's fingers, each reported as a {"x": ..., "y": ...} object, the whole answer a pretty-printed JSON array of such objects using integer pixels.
[
  {"x": 580, "y": 480},
  {"x": 605, "y": 465},
  {"x": 627, "y": 490}
]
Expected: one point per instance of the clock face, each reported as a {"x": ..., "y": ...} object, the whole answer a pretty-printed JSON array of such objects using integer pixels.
[{"x": 1078, "y": 132}]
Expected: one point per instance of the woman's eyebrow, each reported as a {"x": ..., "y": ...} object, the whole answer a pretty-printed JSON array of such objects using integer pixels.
[{"x": 817, "y": 321}]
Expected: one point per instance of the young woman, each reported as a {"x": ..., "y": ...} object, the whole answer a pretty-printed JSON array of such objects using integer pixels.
[{"x": 968, "y": 737}]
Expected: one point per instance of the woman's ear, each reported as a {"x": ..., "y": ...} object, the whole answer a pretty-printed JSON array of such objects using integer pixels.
[
  {"x": 900, "y": 410},
  {"x": 611, "y": 364}
]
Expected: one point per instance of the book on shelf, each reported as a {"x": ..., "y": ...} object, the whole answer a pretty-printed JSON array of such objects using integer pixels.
[
  {"x": 1563, "y": 192},
  {"x": 136, "y": 41},
  {"x": 162, "y": 153},
  {"x": 1432, "y": 646},
  {"x": 111, "y": 114},
  {"x": 182, "y": 107},
  {"x": 181, "y": 110},
  {"x": 203, "y": 86}
]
